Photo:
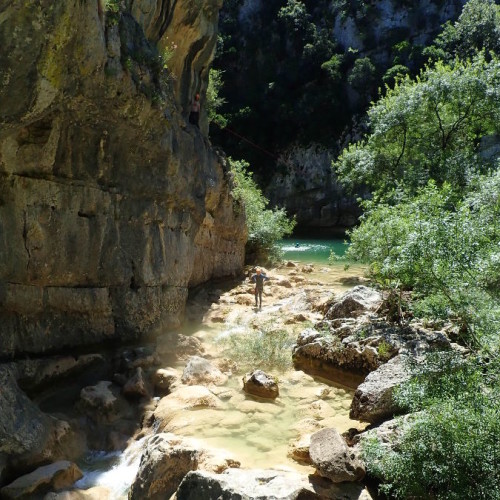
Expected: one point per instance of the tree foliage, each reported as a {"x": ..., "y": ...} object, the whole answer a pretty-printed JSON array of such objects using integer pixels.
[
  {"x": 477, "y": 29},
  {"x": 448, "y": 449},
  {"x": 427, "y": 128},
  {"x": 265, "y": 226}
]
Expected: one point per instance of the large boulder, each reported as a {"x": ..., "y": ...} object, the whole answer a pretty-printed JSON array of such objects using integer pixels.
[
  {"x": 199, "y": 371},
  {"x": 253, "y": 484},
  {"x": 259, "y": 383},
  {"x": 23, "y": 427},
  {"x": 359, "y": 300},
  {"x": 167, "y": 459},
  {"x": 333, "y": 459},
  {"x": 56, "y": 476},
  {"x": 373, "y": 401}
]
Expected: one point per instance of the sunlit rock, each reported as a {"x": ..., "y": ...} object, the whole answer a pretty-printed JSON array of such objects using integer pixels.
[
  {"x": 259, "y": 383},
  {"x": 333, "y": 459},
  {"x": 200, "y": 371}
]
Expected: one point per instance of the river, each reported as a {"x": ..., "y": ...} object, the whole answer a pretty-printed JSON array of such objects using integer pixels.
[{"x": 257, "y": 433}]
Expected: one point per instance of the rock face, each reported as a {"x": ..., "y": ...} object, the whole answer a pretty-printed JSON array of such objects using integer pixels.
[
  {"x": 307, "y": 186},
  {"x": 56, "y": 476},
  {"x": 111, "y": 206},
  {"x": 372, "y": 400},
  {"x": 167, "y": 460},
  {"x": 252, "y": 484},
  {"x": 333, "y": 459},
  {"x": 258, "y": 383}
]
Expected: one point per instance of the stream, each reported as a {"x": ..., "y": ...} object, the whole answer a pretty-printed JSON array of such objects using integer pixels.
[{"x": 257, "y": 433}]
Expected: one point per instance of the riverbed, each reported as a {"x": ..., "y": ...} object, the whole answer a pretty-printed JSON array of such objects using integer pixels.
[{"x": 257, "y": 433}]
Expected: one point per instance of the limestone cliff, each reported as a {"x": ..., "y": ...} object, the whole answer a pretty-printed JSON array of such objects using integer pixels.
[{"x": 111, "y": 206}]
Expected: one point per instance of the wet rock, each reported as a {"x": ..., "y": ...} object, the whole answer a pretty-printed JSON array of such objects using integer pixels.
[
  {"x": 96, "y": 493},
  {"x": 355, "y": 302},
  {"x": 289, "y": 263},
  {"x": 178, "y": 346},
  {"x": 259, "y": 383},
  {"x": 136, "y": 386},
  {"x": 58, "y": 475},
  {"x": 250, "y": 484},
  {"x": 373, "y": 400},
  {"x": 333, "y": 459},
  {"x": 307, "y": 269},
  {"x": 167, "y": 459},
  {"x": 164, "y": 379},
  {"x": 200, "y": 371}
]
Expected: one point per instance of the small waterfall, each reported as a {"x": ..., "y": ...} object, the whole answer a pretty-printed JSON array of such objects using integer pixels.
[{"x": 114, "y": 471}]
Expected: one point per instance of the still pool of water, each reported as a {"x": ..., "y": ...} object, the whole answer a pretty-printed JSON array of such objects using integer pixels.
[{"x": 314, "y": 251}]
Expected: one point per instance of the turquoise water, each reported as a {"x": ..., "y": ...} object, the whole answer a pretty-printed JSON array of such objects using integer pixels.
[{"x": 315, "y": 251}]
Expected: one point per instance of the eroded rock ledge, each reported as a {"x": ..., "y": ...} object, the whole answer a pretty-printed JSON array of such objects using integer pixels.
[{"x": 111, "y": 207}]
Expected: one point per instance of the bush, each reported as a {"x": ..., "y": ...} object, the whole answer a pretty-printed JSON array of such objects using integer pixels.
[
  {"x": 450, "y": 448},
  {"x": 267, "y": 348},
  {"x": 265, "y": 226},
  {"x": 446, "y": 249}
]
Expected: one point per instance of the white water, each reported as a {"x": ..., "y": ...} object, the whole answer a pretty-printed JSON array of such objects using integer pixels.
[{"x": 114, "y": 471}]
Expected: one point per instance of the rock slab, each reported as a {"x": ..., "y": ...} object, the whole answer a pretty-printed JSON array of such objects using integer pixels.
[
  {"x": 333, "y": 459},
  {"x": 373, "y": 401},
  {"x": 57, "y": 476}
]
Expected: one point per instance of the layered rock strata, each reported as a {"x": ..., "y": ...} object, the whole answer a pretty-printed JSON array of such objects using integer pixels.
[{"x": 111, "y": 206}]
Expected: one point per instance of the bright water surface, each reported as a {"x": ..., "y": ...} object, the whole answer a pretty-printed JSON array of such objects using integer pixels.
[{"x": 315, "y": 251}]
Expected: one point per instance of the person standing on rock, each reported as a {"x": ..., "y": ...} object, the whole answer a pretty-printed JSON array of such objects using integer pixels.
[
  {"x": 258, "y": 278},
  {"x": 194, "y": 116}
]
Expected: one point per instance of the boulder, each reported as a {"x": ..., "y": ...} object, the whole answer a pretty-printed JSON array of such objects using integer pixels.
[
  {"x": 199, "y": 371},
  {"x": 359, "y": 300},
  {"x": 167, "y": 459},
  {"x": 164, "y": 379},
  {"x": 23, "y": 427},
  {"x": 252, "y": 484},
  {"x": 96, "y": 493},
  {"x": 298, "y": 450},
  {"x": 136, "y": 386},
  {"x": 373, "y": 400},
  {"x": 57, "y": 476},
  {"x": 333, "y": 459},
  {"x": 259, "y": 383},
  {"x": 184, "y": 398}
]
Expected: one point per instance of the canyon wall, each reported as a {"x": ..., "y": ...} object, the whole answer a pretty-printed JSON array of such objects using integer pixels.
[{"x": 111, "y": 204}]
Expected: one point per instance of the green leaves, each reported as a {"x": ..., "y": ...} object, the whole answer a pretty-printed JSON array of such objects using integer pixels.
[
  {"x": 428, "y": 128},
  {"x": 265, "y": 226}
]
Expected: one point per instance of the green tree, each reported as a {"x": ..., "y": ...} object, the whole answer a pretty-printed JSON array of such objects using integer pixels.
[
  {"x": 265, "y": 226},
  {"x": 362, "y": 75},
  {"x": 213, "y": 100},
  {"x": 477, "y": 29},
  {"x": 427, "y": 129}
]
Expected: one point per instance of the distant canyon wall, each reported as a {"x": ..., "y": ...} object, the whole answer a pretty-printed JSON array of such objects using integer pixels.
[{"x": 111, "y": 205}]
